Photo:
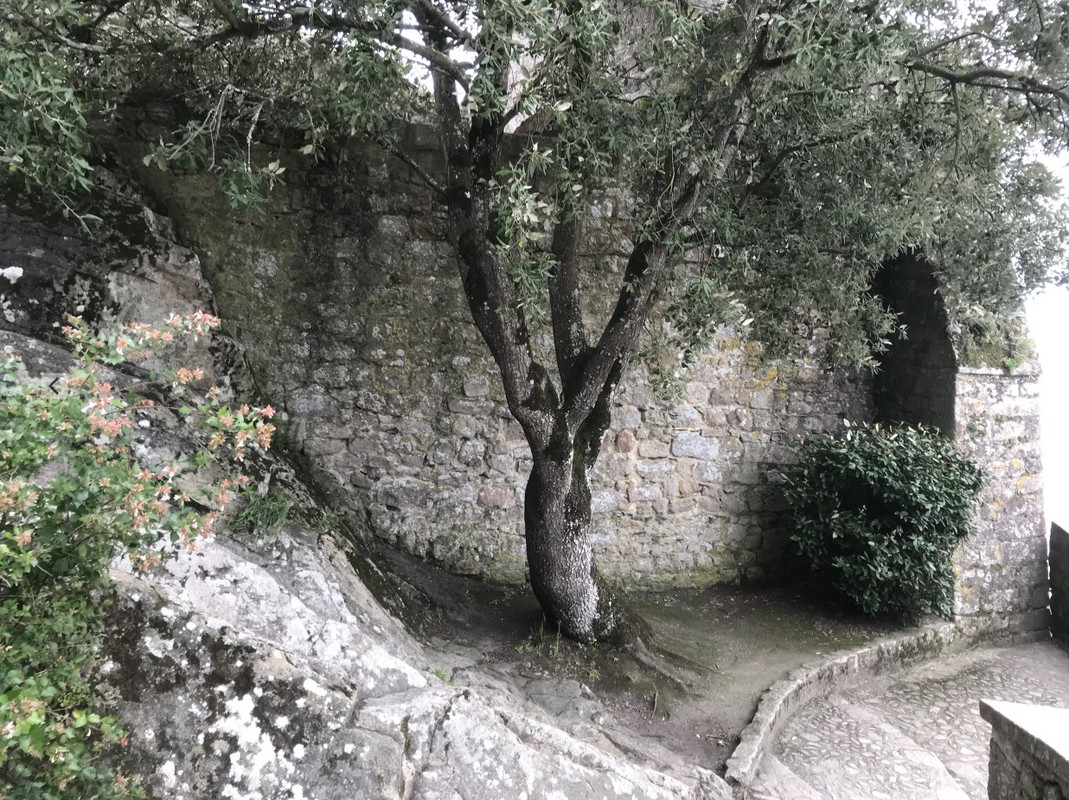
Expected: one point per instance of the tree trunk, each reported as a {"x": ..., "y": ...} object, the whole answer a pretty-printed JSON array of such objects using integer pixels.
[{"x": 577, "y": 602}]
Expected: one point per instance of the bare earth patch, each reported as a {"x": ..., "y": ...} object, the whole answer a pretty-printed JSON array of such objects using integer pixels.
[{"x": 691, "y": 690}]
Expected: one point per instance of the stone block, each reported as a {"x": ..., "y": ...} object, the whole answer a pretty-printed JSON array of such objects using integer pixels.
[
  {"x": 653, "y": 448},
  {"x": 639, "y": 494},
  {"x": 496, "y": 497},
  {"x": 708, "y": 472},
  {"x": 659, "y": 468},
  {"x": 694, "y": 445},
  {"x": 503, "y": 464},
  {"x": 472, "y": 452},
  {"x": 682, "y": 505},
  {"x": 604, "y": 501},
  {"x": 360, "y": 480},
  {"x": 404, "y": 495},
  {"x": 477, "y": 387},
  {"x": 472, "y": 406}
]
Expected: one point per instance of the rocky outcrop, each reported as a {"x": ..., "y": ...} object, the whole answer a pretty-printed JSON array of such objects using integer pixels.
[
  {"x": 276, "y": 674},
  {"x": 264, "y": 667}
]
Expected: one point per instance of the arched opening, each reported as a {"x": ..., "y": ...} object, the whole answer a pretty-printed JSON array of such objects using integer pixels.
[{"x": 915, "y": 382}]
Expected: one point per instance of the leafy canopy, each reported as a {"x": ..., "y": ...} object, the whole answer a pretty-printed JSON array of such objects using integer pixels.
[{"x": 787, "y": 147}]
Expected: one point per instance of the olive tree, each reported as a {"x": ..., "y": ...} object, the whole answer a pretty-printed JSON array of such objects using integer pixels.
[{"x": 774, "y": 155}]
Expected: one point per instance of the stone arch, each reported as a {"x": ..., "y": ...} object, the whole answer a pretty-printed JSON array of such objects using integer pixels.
[{"x": 916, "y": 380}]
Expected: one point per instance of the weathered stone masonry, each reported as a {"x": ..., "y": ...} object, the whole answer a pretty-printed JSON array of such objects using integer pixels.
[
  {"x": 994, "y": 417},
  {"x": 348, "y": 300},
  {"x": 1002, "y": 568},
  {"x": 1028, "y": 759},
  {"x": 1059, "y": 584}
]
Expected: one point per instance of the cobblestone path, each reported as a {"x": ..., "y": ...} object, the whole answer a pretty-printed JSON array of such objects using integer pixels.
[{"x": 915, "y": 734}]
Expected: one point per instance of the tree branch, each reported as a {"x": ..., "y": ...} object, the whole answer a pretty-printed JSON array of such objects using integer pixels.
[
  {"x": 424, "y": 176},
  {"x": 637, "y": 296},
  {"x": 440, "y": 17},
  {"x": 1012, "y": 81},
  {"x": 566, "y": 308},
  {"x": 48, "y": 33},
  {"x": 472, "y": 150},
  {"x": 927, "y": 51},
  {"x": 436, "y": 59},
  {"x": 688, "y": 187}
]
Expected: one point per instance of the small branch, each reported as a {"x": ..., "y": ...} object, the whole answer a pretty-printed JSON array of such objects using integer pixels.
[
  {"x": 443, "y": 19},
  {"x": 227, "y": 13},
  {"x": 955, "y": 39},
  {"x": 424, "y": 176},
  {"x": 957, "y": 125},
  {"x": 436, "y": 59},
  {"x": 110, "y": 9},
  {"x": 271, "y": 27},
  {"x": 48, "y": 33},
  {"x": 775, "y": 62}
]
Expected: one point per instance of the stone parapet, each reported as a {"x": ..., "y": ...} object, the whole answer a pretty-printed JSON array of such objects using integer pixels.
[
  {"x": 1029, "y": 751},
  {"x": 1002, "y": 568}
]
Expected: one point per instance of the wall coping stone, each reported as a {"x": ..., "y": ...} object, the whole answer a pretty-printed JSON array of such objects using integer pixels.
[
  {"x": 819, "y": 679},
  {"x": 1025, "y": 370},
  {"x": 1040, "y": 732}
]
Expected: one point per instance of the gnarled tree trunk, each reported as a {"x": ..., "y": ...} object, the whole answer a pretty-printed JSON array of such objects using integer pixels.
[
  {"x": 563, "y": 419},
  {"x": 564, "y": 577}
]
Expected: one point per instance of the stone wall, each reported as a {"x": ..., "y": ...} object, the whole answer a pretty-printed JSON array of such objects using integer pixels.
[
  {"x": 1059, "y": 583},
  {"x": 1028, "y": 756},
  {"x": 348, "y": 301},
  {"x": 1002, "y": 569}
]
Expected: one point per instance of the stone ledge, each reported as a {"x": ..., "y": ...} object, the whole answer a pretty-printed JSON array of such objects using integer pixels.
[
  {"x": 820, "y": 678},
  {"x": 1035, "y": 738}
]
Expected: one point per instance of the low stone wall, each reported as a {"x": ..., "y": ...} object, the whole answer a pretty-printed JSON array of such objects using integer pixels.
[
  {"x": 1002, "y": 569},
  {"x": 821, "y": 678},
  {"x": 1059, "y": 583},
  {"x": 1029, "y": 751}
]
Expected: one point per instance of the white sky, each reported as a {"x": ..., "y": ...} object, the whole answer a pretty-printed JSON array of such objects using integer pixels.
[{"x": 1048, "y": 319}]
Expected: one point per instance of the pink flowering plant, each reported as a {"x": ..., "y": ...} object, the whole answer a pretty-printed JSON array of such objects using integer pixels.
[{"x": 73, "y": 496}]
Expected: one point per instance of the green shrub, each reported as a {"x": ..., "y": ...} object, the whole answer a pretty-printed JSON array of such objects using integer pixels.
[
  {"x": 73, "y": 496},
  {"x": 877, "y": 512}
]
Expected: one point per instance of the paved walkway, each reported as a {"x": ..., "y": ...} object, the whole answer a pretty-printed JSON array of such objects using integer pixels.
[{"x": 915, "y": 734}]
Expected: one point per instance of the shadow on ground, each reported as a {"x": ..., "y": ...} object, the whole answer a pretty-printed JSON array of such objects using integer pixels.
[{"x": 714, "y": 651}]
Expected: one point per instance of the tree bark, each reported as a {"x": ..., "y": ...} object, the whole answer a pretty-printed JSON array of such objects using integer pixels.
[{"x": 564, "y": 577}]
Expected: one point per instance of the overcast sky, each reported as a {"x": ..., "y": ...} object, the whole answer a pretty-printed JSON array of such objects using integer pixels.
[{"x": 1048, "y": 319}]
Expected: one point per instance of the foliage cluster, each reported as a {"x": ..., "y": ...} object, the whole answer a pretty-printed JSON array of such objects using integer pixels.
[
  {"x": 74, "y": 495},
  {"x": 878, "y": 512},
  {"x": 825, "y": 135},
  {"x": 262, "y": 514}
]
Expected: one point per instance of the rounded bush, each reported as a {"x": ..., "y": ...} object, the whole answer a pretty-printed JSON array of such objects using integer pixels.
[{"x": 877, "y": 512}]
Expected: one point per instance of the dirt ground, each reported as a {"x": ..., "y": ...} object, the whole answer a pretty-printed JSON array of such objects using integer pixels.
[{"x": 693, "y": 688}]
